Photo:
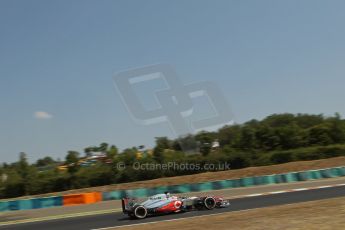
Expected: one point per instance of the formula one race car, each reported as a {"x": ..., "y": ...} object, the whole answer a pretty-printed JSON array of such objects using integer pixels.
[{"x": 165, "y": 203}]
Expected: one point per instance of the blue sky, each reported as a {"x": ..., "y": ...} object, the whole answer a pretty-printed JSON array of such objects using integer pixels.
[{"x": 57, "y": 59}]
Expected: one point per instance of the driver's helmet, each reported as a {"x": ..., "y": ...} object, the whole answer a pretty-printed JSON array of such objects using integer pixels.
[{"x": 167, "y": 194}]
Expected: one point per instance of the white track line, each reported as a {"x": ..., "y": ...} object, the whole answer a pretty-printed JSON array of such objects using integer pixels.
[
  {"x": 325, "y": 186},
  {"x": 290, "y": 190},
  {"x": 277, "y": 192},
  {"x": 257, "y": 194},
  {"x": 299, "y": 189}
]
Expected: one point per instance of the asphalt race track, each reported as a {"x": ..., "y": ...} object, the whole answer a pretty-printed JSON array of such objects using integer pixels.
[{"x": 118, "y": 219}]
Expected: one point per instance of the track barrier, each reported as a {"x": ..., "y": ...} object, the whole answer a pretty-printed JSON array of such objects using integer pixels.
[{"x": 83, "y": 198}]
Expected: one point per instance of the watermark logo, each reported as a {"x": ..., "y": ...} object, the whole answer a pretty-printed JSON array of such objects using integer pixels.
[
  {"x": 174, "y": 166},
  {"x": 175, "y": 102}
]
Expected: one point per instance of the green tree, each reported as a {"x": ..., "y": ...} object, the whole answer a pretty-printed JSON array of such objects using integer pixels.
[
  {"x": 72, "y": 160},
  {"x": 247, "y": 140},
  {"x": 337, "y": 129},
  {"x": 128, "y": 156},
  {"x": 229, "y": 135},
  {"x": 45, "y": 162},
  {"x": 306, "y": 121},
  {"x": 185, "y": 143},
  {"x": 112, "y": 152},
  {"x": 267, "y": 138},
  {"x": 320, "y": 135},
  {"x": 279, "y": 120},
  {"x": 162, "y": 143},
  {"x": 23, "y": 166},
  {"x": 103, "y": 147},
  {"x": 291, "y": 136},
  {"x": 88, "y": 151},
  {"x": 205, "y": 139}
]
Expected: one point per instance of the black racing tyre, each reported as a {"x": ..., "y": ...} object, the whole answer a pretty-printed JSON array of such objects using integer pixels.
[
  {"x": 140, "y": 212},
  {"x": 210, "y": 203}
]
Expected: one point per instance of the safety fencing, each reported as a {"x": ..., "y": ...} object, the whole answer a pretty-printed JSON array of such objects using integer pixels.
[
  {"x": 89, "y": 198},
  {"x": 48, "y": 202},
  {"x": 228, "y": 184},
  {"x": 27, "y": 204}
]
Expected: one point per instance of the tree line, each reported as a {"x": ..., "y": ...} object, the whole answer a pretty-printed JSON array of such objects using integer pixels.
[{"x": 278, "y": 138}]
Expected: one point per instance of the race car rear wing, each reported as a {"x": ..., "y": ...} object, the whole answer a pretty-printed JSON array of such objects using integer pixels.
[{"x": 125, "y": 206}]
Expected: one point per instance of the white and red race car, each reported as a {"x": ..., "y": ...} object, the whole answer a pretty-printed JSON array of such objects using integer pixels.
[{"x": 165, "y": 203}]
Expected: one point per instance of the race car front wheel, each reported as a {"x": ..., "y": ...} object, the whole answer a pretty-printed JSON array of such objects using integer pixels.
[
  {"x": 210, "y": 203},
  {"x": 140, "y": 212}
]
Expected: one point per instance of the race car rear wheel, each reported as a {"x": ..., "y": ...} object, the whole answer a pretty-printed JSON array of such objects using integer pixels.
[
  {"x": 210, "y": 203},
  {"x": 140, "y": 212}
]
